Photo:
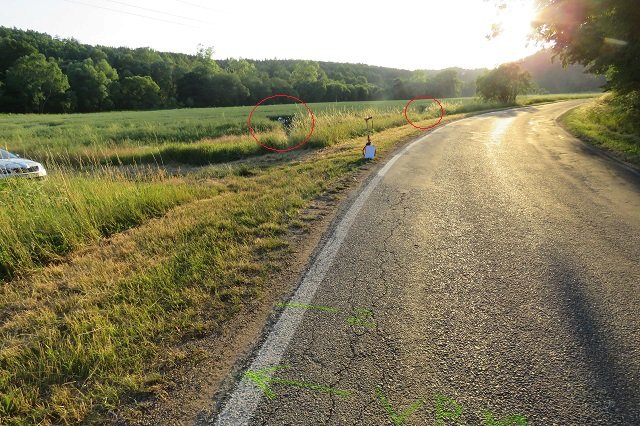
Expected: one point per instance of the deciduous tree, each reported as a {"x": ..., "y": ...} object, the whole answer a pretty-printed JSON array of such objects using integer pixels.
[
  {"x": 33, "y": 82},
  {"x": 240, "y": 67},
  {"x": 445, "y": 84},
  {"x": 137, "y": 92},
  {"x": 90, "y": 84},
  {"x": 603, "y": 35},
  {"x": 11, "y": 50},
  {"x": 503, "y": 84}
]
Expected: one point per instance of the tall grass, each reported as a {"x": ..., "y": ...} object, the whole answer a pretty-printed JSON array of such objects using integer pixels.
[
  {"x": 610, "y": 122},
  {"x": 207, "y": 151},
  {"x": 97, "y": 329},
  {"x": 331, "y": 126},
  {"x": 81, "y": 139},
  {"x": 41, "y": 221}
]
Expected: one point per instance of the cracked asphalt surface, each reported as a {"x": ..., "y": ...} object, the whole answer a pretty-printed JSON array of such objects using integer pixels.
[{"x": 500, "y": 260}]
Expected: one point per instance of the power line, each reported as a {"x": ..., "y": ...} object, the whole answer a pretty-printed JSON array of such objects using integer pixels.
[
  {"x": 158, "y": 11},
  {"x": 197, "y": 5},
  {"x": 132, "y": 14}
]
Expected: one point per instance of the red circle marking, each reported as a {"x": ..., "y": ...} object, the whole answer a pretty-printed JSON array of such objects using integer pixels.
[
  {"x": 253, "y": 133},
  {"x": 406, "y": 108}
]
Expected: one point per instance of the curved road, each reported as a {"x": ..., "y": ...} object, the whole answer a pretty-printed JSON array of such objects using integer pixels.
[{"x": 491, "y": 276}]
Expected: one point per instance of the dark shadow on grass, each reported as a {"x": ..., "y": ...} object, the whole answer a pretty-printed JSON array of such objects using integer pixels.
[
  {"x": 629, "y": 168},
  {"x": 620, "y": 399}
]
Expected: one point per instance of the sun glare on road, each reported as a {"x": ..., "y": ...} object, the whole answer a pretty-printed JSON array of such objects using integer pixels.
[{"x": 499, "y": 129}]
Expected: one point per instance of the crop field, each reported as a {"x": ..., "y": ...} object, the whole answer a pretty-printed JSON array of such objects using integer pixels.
[
  {"x": 154, "y": 228},
  {"x": 206, "y": 135}
]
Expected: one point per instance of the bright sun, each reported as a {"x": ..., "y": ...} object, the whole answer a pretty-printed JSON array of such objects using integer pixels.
[
  {"x": 516, "y": 18},
  {"x": 515, "y": 22},
  {"x": 460, "y": 28}
]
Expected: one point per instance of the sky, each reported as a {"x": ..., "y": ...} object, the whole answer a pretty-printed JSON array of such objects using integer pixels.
[{"x": 427, "y": 34}]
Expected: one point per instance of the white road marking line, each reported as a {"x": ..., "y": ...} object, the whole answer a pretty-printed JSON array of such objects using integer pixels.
[{"x": 244, "y": 400}]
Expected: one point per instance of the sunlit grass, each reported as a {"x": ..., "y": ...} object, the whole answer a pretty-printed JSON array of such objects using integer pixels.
[
  {"x": 610, "y": 123},
  {"x": 43, "y": 220}
]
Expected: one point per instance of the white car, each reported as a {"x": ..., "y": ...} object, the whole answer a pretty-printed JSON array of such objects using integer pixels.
[{"x": 11, "y": 165}]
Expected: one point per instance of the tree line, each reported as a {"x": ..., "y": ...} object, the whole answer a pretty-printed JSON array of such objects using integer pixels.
[{"x": 40, "y": 73}]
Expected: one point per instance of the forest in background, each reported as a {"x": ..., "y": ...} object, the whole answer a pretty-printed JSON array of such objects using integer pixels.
[{"x": 40, "y": 73}]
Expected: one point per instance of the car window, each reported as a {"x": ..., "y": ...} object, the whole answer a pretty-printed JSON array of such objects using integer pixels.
[{"x": 6, "y": 155}]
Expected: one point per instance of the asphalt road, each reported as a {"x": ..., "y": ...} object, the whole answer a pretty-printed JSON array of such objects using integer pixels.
[{"x": 492, "y": 274}]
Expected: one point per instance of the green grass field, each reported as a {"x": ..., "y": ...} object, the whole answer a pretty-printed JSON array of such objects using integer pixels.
[
  {"x": 609, "y": 123},
  {"x": 105, "y": 270}
]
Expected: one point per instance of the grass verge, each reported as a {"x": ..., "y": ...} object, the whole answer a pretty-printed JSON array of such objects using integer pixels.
[
  {"x": 609, "y": 122},
  {"x": 45, "y": 220}
]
